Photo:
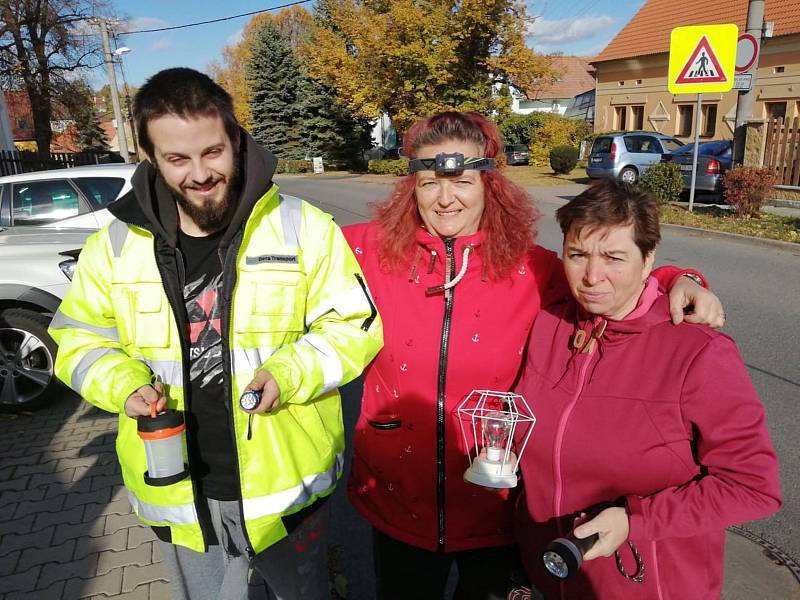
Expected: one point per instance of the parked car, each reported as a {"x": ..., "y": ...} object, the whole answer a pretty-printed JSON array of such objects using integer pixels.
[
  {"x": 713, "y": 160},
  {"x": 627, "y": 155},
  {"x": 36, "y": 265},
  {"x": 516, "y": 154},
  {"x": 75, "y": 197}
]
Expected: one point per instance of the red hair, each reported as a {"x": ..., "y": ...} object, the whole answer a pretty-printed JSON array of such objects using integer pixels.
[{"x": 509, "y": 215}]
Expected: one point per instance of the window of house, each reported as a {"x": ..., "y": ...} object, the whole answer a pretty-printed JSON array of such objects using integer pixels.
[
  {"x": 620, "y": 83},
  {"x": 637, "y": 117},
  {"x": 39, "y": 202},
  {"x": 709, "y": 120},
  {"x": 778, "y": 69},
  {"x": 638, "y": 82},
  {"x": 22, "y": 123},
  {"x": 775, "y": 110},
  {"x": 684, "y": 123},
  {"x": 620, "y": 117}
]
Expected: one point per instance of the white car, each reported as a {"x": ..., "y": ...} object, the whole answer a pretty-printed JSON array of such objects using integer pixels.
[
  {"x": 75, "y": 197},
  {"x": 36, "y": 265}
]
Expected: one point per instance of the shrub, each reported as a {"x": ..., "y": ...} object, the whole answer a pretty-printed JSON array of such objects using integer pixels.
[
  {"x": 541, "y": 132},
  {"x": 388, "y": 167},
  {"x": 293, "y": 166},
  {"x": 747, "y": 189},
  {"x": 563, "y": 159},
  {"x": 664, "y": 181}
]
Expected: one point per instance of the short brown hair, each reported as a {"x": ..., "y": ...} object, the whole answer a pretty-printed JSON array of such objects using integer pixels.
[{"x": 610, "y": 203}]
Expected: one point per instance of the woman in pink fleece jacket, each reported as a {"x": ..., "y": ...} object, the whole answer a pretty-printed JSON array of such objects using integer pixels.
[{"x": 654, "y": 430}]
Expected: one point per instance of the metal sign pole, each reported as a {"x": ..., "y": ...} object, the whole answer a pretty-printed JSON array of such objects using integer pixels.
[{"x": 694, "y": 150}]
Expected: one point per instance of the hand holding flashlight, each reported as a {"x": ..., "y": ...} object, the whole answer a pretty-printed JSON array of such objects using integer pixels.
[
  {"x": 138, "y": 403},
  {"x": 611, "y": 526},
  {"x": 264, "y": 384}
]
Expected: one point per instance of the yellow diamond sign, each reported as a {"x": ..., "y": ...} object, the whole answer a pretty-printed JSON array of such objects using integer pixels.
[{"x": 702, "y": 58}]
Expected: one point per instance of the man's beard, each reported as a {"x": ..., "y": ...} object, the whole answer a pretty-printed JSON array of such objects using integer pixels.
[{"x": 212, "y": 215}]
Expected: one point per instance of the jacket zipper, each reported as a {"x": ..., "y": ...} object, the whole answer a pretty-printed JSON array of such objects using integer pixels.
[
  {"x": 178, "y": 305},
  {"x": 440, "y": 396},
  {"x": 229, "y": 277},
  {"x": 562, "y": 426}
]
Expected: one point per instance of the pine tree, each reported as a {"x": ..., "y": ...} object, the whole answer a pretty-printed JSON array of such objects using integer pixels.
[
  {"x": 329, "y": 129},
  {"x": 77, "y": 100},
  {"x": 273, "y": 76}
]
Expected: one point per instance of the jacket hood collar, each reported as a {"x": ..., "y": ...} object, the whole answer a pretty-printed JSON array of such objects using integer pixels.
[
  {"x": 434, "y": 242},
  {"x": 150, "y": 203},
  {"x": 658, "y": 313}
]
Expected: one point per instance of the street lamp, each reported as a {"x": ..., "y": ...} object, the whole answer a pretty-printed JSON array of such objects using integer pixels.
[{"x": 120, "y": 52}]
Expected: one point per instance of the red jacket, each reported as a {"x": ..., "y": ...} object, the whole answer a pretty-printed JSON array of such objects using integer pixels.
[
  {"x": 408, "y": 463},
  {"x": 661, "y": 419}
]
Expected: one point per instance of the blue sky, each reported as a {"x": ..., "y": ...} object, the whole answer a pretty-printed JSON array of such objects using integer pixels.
[{"x": 581, "y": 27}]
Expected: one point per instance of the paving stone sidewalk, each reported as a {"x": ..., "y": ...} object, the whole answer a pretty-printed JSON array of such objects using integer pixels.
[{"x": 67, "y": 531}]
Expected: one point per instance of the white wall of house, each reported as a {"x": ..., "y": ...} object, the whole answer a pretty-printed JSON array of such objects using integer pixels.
[{"x": 551, "y": 105}]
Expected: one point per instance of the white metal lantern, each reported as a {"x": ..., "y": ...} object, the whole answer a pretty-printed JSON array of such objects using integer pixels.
[{"x": 489, "y": 420}]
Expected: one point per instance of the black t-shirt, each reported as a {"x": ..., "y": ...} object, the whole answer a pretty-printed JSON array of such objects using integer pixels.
[{"x": 211, "y": 448}]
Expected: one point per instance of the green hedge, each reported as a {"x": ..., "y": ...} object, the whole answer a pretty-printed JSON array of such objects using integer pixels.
[
  {"x": 563, "y": 159},
  {"x": 293, "y": 166},
  {"x": 388, "y": 167},
  {"x": 664, "y": 181}
]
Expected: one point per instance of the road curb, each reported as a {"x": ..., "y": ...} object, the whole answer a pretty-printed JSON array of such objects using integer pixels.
[{"x": 734, "y": 237}]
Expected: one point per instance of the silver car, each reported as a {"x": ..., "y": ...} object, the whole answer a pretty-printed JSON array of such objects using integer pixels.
[
  {"x": 75, "y": 197},
  {"x": 626, "y": 156},
  {"x": 36, "y": 266}
]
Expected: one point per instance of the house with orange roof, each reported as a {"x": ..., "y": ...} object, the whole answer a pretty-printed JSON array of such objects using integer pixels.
[
  {"x": 576, "y": 78},
  {"x": 631, "y": 71}
]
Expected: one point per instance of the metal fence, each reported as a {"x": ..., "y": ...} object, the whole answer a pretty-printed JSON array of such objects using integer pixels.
[
  {"x": 782, "y": 150},
  {"x": 13, "y": 162}
]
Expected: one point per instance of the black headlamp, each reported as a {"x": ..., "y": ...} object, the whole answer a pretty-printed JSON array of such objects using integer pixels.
[{"x": 450, "y": 164}]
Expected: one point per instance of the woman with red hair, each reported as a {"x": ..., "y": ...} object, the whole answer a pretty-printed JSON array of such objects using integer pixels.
[{"x": 457, "y": 279}]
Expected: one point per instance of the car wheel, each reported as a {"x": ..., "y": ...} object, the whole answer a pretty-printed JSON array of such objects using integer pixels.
[
  {"x": 27, "y": 355},
  {"x": 629, "y": 175}
]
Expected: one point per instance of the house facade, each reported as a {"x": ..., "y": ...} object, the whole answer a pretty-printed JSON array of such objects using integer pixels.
[
  {"x": 576, "y": 79},
  {"x": 632, "y": 80}
]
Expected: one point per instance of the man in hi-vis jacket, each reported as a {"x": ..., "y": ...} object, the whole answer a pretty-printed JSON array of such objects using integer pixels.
[{"x": 210, "y": 283}]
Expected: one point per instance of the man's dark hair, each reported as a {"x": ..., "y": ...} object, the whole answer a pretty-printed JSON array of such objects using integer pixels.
[
  {"x": 611, "y": 203},
  {"x": 185, "y": 93}
]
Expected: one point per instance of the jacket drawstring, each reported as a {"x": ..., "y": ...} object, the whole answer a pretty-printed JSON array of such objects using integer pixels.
[
  {"x": 432, "y": 263},
  {"x": 413, "y": 273},
  {"x": 448, "y": 284}
]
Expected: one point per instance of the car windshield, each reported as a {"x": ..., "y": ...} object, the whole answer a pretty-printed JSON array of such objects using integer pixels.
[
  {"x": 601, "y": 145},
  {"x": 517, "y": 148},
  {"x": 672, "y": 145}
]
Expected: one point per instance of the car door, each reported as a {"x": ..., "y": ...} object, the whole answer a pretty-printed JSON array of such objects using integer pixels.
[
  {"x": 99, "y": 193},
  {"x": 47, "y": 202}
]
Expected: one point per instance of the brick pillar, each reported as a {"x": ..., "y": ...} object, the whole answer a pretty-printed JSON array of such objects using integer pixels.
[{"x": 754, "y": 146}]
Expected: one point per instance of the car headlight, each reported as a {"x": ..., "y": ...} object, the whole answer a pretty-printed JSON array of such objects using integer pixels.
[{"x": 68, "y": 267}]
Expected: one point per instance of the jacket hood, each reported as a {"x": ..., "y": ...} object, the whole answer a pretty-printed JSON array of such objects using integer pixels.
[
  {"x": 616, "y": 331},
  {"x": 150, "y": 203}
]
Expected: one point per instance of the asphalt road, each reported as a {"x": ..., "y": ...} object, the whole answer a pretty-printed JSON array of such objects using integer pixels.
[{"x": 759, "y": 286}]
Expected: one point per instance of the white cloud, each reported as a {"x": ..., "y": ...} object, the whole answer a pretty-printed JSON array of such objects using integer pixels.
[
  {"x": 235, "y": 38},
  {"x": 139, "y": 23},
  {"x": 161, "y": 44},
  {"x": 567, "y": 31}
]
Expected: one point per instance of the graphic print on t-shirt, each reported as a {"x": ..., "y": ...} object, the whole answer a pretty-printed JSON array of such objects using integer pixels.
[{"x": 205, "y": 334}]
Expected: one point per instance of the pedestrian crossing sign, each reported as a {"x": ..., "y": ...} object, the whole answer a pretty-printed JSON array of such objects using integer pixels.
[{"x": 702, "y": 58}]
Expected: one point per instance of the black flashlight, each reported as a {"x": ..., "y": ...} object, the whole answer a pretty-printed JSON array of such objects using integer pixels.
[
  {"x": 564, "y": 556},
  {"x": 249, "y": 400}
]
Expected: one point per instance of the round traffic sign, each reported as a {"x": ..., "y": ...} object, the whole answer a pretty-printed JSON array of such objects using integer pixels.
[{"x": 746, "y": 52}]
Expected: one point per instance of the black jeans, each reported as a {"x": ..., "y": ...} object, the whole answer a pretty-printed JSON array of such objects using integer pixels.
[{"x": 404, "y": 572}]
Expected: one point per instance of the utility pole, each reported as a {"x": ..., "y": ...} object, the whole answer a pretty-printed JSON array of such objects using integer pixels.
[
  {"x": 122, "y": 139},
  {"x": 747, "y": 99}
]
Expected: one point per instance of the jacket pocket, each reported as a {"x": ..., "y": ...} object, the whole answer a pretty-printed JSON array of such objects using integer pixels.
[
  {"x": 142, "y": 314},
  {"x": 270, "y": 299}
]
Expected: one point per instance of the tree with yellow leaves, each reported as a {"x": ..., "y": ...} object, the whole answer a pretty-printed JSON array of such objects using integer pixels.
[{"x": 411, "y": 58}]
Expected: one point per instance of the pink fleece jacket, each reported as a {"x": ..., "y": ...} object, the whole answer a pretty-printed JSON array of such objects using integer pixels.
[{"x": 659, "y": 418}]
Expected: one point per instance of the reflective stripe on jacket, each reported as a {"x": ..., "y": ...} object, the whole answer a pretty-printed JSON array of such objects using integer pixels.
[{"x": 298, "y": 309}]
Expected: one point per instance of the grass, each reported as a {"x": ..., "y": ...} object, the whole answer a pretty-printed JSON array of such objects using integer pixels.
[
  {"x": 770, "y": 226},
  {"x": 526, "y": 176}
]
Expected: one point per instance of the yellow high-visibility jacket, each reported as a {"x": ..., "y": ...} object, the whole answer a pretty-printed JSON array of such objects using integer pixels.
[{"x": 298, "y": 307}]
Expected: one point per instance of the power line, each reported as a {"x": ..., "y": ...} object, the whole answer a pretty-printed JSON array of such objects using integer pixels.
[{"x": 247, "y": 14}]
